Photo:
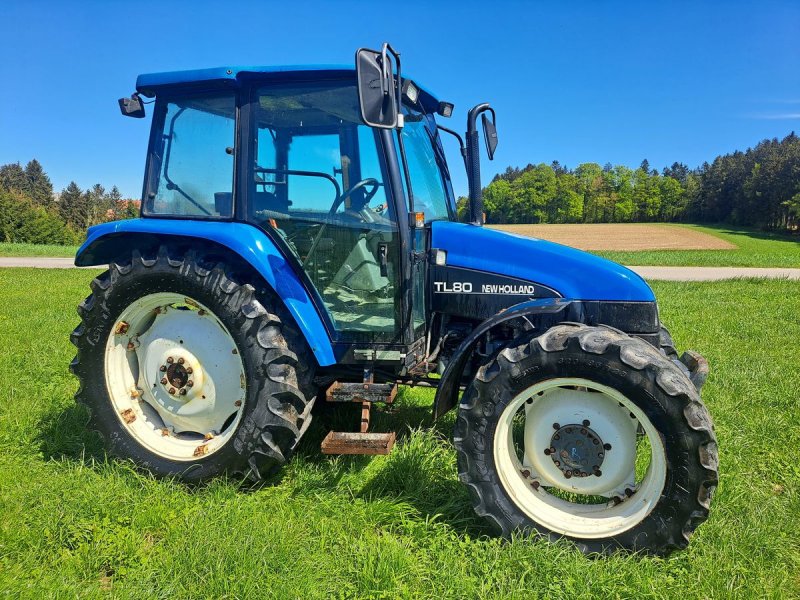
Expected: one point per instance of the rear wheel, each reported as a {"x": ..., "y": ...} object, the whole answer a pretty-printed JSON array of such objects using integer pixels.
[
  {"x": 188, "y": 371},
  {"x": 586, "y": 433}
]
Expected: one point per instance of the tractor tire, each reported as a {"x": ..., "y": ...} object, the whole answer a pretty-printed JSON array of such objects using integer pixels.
[
  {"x": 587, "y": 395},
  {"x": 189, "y": 372}
]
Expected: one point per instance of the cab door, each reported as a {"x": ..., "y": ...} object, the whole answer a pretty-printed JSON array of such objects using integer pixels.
[
  {"x": 432, "y": 197},
  {"x": 319, "y": 188}
]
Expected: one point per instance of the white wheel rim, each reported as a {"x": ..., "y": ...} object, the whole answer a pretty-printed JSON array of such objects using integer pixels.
[
  {"x": 614, "y": 419},
  {"x": 175, "y": 376}
]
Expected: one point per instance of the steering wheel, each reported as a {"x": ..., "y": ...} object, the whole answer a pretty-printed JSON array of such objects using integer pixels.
[{"x": 368, "y": 194}]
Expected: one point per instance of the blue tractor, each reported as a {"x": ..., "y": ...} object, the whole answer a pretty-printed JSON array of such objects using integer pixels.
[{"x": 299, "y": 243}]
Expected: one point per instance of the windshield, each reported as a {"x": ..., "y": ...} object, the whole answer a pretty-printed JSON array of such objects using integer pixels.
[{"x": 426, "y": 168}]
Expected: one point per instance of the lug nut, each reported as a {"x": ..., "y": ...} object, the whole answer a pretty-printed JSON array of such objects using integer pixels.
[
  {"x": 628, "y": 492},
  {"x": 237, "y": 403},
  {"x": 170, "y": 360},
  {"x": 547, "y": 452},
  {"x": 586, "y": 422},
  {"x": 163, "y": 381},
  {"x": 568, "y": 474},
  {"x": 130, "y": 346},
  {"x": 556, "y": 426},
  {"x": 182, "y": 392},
  {"x": 162, "y": 368},
  {"x": 172, "y": 391},
  {"x": 535, "y": 485},
  {"x": 189, "y": 370},
  {"x": 525, "y": 473},
  {"x": 607, "y": 446},
  {"x": 598, "y": 473},
  {"x": 181, "y": 361},
  {"x": 189, "y": 383}
]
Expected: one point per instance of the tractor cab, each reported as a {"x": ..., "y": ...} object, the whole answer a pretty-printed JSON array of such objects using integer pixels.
[{"x": 289, "y": 152}]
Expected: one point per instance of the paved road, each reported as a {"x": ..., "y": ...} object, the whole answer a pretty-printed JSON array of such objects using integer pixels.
[{"x": 653, "y": 273}]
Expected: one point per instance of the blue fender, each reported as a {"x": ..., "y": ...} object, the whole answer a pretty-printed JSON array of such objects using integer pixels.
[
  {"x": 572, "y": 273},
  {"x": 250, "y": 243}
]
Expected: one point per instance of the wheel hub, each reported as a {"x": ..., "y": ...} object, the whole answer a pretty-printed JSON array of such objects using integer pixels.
[
  {"x": 576, "y": 450},
  {"x": 178, "y": 375}
]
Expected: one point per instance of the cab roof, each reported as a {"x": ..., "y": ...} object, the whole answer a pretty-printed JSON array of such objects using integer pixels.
[{"x": 151, "y": 84}]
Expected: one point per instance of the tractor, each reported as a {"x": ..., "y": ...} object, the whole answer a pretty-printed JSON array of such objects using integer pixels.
[{"x": 299, "y": 242}]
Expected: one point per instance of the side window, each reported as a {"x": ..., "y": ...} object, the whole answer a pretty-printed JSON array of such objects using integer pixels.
[
  {"x": 196, "y": 175},
  {"x": 430, "y": 196}
]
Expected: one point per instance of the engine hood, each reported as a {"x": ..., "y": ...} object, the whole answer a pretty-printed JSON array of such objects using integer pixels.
[{"x": 572, "y": 273}]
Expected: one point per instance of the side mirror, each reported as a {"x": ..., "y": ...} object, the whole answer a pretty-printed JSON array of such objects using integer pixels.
[
  {"x": 378, "y": 96},
  {"x": 490, "y": 134},
  {"x": 132, "y": 107}
]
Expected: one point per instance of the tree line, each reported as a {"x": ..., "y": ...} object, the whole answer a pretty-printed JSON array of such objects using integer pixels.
[
  {"x": 759, "y": 187},
  {"x": 31, "y": 212}
]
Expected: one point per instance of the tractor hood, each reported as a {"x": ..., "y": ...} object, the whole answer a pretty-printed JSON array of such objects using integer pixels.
[{"x": 571, "y": 273}]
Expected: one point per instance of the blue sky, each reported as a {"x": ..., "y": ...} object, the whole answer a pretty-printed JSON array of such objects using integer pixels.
[{"x": 573, "y": 81}]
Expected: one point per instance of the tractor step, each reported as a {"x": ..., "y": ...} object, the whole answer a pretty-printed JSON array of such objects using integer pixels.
[
  {"x": 340, "y": 442},
  {"x": 361, "y": 392}
]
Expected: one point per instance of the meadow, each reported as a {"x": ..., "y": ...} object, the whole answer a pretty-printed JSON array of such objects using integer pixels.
[
  {"x": 626, "y": 243},
  {"x": 74, "y": 523}
]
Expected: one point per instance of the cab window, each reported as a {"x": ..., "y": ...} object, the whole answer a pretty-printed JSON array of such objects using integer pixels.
[
  {"x": 194, "y": 157},
  {"x": 430, "y": 194}
]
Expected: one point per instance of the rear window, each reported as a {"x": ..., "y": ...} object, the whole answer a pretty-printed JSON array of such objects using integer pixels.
[{"x": 194, "y": 157}]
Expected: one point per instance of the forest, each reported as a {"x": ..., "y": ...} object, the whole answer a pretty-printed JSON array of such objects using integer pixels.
[
  {"x": 30, "y": 212},
  {"x": 758, "y": 187}
]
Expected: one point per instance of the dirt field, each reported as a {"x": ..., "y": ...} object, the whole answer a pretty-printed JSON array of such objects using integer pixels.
[{"x": 625, "y": 236}]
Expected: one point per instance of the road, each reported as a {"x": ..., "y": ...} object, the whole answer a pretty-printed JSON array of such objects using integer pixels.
[{"x": 652, "y": 273}]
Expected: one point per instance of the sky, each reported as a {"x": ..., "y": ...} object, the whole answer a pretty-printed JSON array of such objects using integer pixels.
[{"x": 571, "y": 81}]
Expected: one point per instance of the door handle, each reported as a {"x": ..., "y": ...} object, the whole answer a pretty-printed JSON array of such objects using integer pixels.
[{"x": 383, "y": 252}]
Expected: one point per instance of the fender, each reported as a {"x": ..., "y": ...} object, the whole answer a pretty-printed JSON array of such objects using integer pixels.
[
  {"x": 106, "y": 241},
  {"x": 447, "y": 391}
]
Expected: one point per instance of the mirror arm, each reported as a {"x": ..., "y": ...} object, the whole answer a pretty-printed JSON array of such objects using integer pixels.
[
  {"x": 460, "y": 141},
  {"x": 473, "y": 162},
  {"x": 399, "y": 83}
]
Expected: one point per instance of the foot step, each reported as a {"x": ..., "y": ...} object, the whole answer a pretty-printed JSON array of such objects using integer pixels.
[
  {"x": 361, "y": 392},
  {"x": 340, "y": 442}
]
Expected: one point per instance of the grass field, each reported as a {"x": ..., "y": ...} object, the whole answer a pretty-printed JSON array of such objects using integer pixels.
[
  {"x": 10, "y": 249},
  {"x": 724, "y": 246},
  {"x": 73, "y": 523},
  {"x": 751, "y": 248}
]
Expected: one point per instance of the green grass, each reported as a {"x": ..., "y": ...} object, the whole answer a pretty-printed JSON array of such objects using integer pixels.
[
  {"x": 73, "y": 523},
  {"x": 12, "y": 249},
  {"x": 753, "y": 249}
]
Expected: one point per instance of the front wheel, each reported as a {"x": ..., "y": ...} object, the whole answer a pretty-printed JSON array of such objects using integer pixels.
[{"x": 589, "y": 434}]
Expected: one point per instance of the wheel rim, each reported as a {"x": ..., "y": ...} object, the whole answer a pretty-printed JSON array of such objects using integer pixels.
[
  {"x": 175, "y": 377},
  {"x": 579, "y": 458}
]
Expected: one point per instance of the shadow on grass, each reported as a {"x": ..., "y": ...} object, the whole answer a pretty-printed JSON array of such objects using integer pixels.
[
  {"x": 420, "y": 471},
  {"x": 66, "y": 435},
  {"x": 759, "y": 234}
]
